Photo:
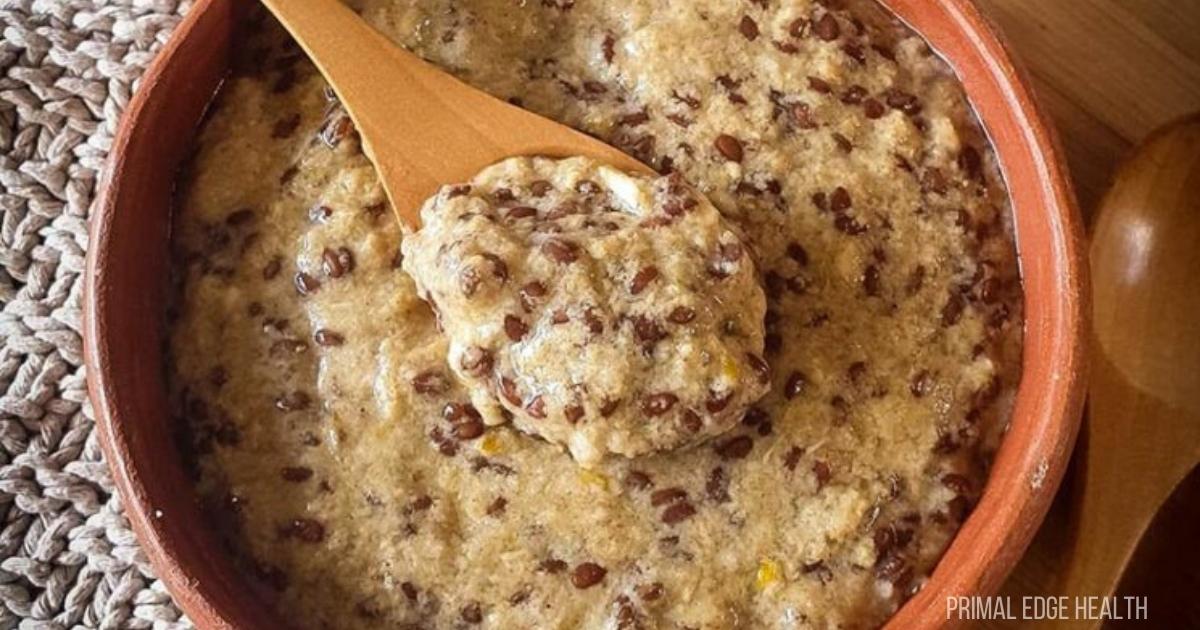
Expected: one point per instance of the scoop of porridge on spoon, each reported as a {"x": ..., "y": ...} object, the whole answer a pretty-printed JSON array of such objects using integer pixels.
[{"x": 595, "y": 303}]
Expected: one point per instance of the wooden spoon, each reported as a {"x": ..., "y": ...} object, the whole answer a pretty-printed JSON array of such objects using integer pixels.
[
  {"x": 420, "y": 126},
  {"x": 1142, "y": 436}
]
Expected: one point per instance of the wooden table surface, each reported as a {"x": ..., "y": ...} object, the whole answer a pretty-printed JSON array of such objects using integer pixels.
[{"x": 1109, "y": 72}]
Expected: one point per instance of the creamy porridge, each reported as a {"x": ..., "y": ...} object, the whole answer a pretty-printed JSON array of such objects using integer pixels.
[
  {"x": 325, "y": 424},
  {"x": 604, "y": 311}
]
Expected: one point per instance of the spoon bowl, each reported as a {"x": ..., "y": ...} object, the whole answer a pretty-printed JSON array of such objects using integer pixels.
[{"x": 1142, "y": 436}]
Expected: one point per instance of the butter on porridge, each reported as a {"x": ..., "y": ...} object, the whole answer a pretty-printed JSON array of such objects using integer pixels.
[
  {"x": 326, "y": 426},
  {"x": 604, "y": 311}
]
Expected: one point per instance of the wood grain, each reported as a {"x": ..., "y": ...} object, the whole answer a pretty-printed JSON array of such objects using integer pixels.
[{"x": 1110, "y": 72}]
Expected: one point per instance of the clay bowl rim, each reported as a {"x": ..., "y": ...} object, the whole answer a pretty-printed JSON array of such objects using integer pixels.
[{"x": 1026, "y": 471}]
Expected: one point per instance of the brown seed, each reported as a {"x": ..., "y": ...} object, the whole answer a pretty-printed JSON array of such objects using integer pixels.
[
  {"x": 326, "y": 337},
  {"x": 468, "y": 429},
  {"x": 748, "y": 28},
  {"x": 658, "y": 404},
  {"x": 729, "y": 147},
  {"x": 592, "y": 319},
  {"x": 560, "y": 251},
  {"x": 717, "y": 486},
  {"x": 755, "y": 416},
  {"x": 476, "y": 361},
  {"x": 846, "y": 224},
  {"x": 521, "y": 212},
  {"x": 337, "y": 263},
  {"x": 855, "y": 52},
  {"x": 515, "y": 328},
  {"x": 691, "y": 421},
  {"x": 819, "y": 85},
  {"x": 296, "y": 474},
  {"x": 638, "y": 480},
  {"x": 536, "y": 407},
  {"x": 472, "y": 613},
  {"x": 686, "y": 99},
  {"x": 552, "y": 566},
  {"x": 459, "y": 190},
  {"x": 870, "y": 281},
  {"x": 271, "y": 269},
  {"x": 306, "y": 284},
  {"x": 840, "y": 200},
  {"x": 953, "y": 310},
  {"x": 827, "y": 28},
  {"x": 508, "y": 391},
  {"x": 650, "y": 592},
  {"x": 540, "y": 187},
  {"x": 647, "y": 330},
  {"x": 854, "y": 95},
  {"x": 635, "y": 119},
  {"x": 667, "y": 495},
  {"x": 796, "y": 252},
  {"x": 587, "y": 574},
  {"x": 792, "y": 458},
  {"x": 409, "y": 590},
  {"x": 723, "y": 262},
  {"x": 970, "y": 162},
  {"x": 643, "y": 278},
  {"x": 921, "y": 384},
  {"x": 873, "y": 108},
  {"x": 843, "y": 142},
  {"x": 681, "y": 315},
  {"x": 560, "y": 316},
  {"x": 798, "y": 27},
  {"x": 529, "y": 294},
  {"x": 735, "y": 447},
  {"x": 678, "y": 512},
  {"x": 520, "y": 596},
  {"x": 903, "y": 101},
  {"x": 795, "y": 385},
  {"x": 822, "y": 473},
  {"x": 786, "y": 48},
  {"x": 497, "y": 507},
  {"x": 959, "y": 484},
  {"x": 717, "y": 402},
  {"x": 285, "y": 127},
  {"x": 608, "y": 407},
  {"x": 573, "y": 413},
  {"x": 609, "y": 47},
  {"x": 431, "y": 382}
]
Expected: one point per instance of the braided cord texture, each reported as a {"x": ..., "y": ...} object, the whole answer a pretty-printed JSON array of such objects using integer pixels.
[{"x": 67, "y": 556}]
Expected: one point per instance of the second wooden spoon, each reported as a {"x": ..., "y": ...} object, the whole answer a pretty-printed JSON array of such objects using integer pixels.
[{"x": 421, "y": 127}]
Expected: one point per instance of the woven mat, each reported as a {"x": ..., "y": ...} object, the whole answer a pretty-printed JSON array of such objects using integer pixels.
[{"x": 67, "y": 556}]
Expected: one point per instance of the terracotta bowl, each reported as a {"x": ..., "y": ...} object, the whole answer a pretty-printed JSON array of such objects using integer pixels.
[{"x": 127, "y": 273}]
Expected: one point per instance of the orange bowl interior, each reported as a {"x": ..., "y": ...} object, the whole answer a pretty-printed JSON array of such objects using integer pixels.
[{"x": 127, "y": 275}]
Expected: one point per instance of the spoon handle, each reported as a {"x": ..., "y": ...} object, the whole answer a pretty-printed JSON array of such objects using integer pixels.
[
  {"x": 1142, "y": 436},
  {"x": 420, "y": 126}
]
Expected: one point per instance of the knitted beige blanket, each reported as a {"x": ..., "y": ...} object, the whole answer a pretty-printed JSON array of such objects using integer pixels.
[{"x": 67, "y": 556}]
